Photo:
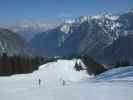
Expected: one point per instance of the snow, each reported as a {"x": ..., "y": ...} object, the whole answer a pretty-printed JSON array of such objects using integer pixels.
[
  {"x": 2, "y": 47},
  {"x": 79, "y": 85},
  {"x": 62, "y": 69},
  {"x": 70, "y": 21},
  {"x": 115, "y": 25},
  {"x": 105, "y": 15},
  {"x": 65, "y": 28},
  {"x": 81, "y": 19},
  {"x": 117, "y": 74},
  {"x": 111, "y": 17}
]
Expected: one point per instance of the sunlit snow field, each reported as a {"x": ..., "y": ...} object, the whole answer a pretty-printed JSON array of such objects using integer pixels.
[{"x": 112, "y": 85}]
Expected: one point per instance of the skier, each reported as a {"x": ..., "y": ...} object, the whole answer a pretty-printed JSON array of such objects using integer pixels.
[
  {"x": 39, "y": 81},
  {"x": 63, "y": 82}
]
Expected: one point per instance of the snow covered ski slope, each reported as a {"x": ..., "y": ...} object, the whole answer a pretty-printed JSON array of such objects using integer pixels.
[{"x": 60, "y": 81}]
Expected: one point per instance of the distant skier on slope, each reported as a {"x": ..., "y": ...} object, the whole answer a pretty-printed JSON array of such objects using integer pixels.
[
  {"x": 39, "y": 81},
  {"x": 63, "y": 82}
]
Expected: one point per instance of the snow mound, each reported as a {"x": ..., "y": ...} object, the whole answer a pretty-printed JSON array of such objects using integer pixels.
[
  {"x": 62, "y": 69},
  {"x": 122, "y": 73}
]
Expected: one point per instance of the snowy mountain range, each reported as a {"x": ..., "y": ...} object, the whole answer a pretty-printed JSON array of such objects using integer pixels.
[
  {"x": 85, "y": 35},
  {"x": 120, "y": 50},
  {"x": 28, "y": 29},
  {"x": 13, "y": 44}
]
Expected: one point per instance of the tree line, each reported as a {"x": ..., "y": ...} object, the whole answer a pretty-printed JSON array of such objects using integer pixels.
[
  {"x": 94, "y": 67},
  {"x": 19, "y": 65},
  {"x": 10, "y": 65}
]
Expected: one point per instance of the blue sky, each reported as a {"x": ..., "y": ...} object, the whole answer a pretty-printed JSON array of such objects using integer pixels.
[{"x": 17, "y": 10}]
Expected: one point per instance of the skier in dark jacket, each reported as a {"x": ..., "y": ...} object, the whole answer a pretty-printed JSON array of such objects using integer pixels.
[
  {"x": 39, "y": 81},
  {"x": 63, "y": 82}
]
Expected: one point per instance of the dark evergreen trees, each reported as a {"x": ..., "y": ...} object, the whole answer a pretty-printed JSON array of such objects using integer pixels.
[
  {"x": 122, "y": 63},
  {"x": 78, "y": 66},
  {"x": 92, "y": 66},
  {"x": 17, "y": 64}
]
